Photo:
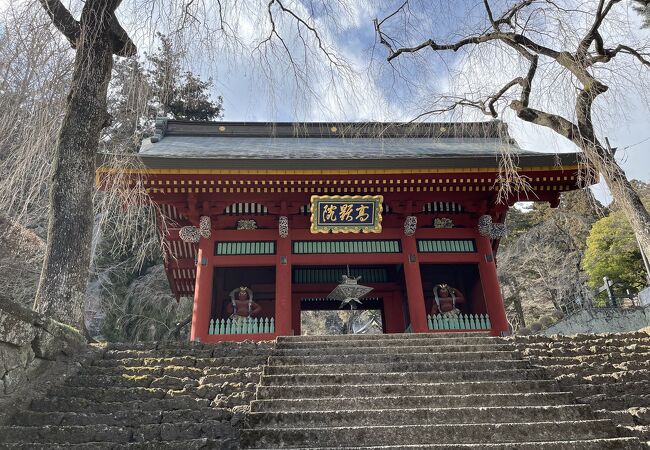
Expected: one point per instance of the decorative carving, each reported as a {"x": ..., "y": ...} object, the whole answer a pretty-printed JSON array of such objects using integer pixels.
[
  {"x": 489, "y": 229},
  {"x": 205, "y": 227},
  {"x": 349, "y": 291},
  {"x": 410, "y": 225},
  {"x": 247, "y": 224},
  {"x": 194, "y": 234},
  {"x": 443, "y": 222},
  {"x": 189, "y": 234},
  {"x": 159, "y": 131},
  {"x": 283, "y": 226}
]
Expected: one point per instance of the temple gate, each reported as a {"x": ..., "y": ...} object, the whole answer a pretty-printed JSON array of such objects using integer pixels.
[{"x": 262, "y": 220}]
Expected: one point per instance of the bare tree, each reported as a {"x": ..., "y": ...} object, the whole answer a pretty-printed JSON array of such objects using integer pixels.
[
  {"x": 96, "y": 37},
  {"x": 578, "y": 49}
]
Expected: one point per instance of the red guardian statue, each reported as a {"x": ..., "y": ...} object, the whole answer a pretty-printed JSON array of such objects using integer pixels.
[
  {"x": 242, "y": 304},
  {"x": 446, "y": 299}
]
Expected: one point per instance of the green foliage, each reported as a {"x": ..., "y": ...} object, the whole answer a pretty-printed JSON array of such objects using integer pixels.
[
  {"x": 612, "y": 251},
  {"x": 142, "y": 90},
  {"x": 182, "y": 95}
]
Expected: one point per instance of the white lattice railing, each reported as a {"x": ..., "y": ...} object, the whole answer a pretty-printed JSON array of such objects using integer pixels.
[{"x": 242, "y": 325}]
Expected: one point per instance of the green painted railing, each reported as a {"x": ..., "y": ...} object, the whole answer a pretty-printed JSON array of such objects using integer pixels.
[
  {"x": 248, "y": 325},
  {"x": 356, "y": 246},
  {"x": 244, "y": 248},
  {"x": 333, "y": 275},
  {"x": 446, "y": 246},
  {"x": 459, "y": 322}
]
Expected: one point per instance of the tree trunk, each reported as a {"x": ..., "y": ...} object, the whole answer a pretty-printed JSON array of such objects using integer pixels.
[{"x": 62, "y": 287}]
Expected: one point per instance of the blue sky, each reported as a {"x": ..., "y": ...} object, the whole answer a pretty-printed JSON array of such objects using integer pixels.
[{"x": 382, "y": 92}]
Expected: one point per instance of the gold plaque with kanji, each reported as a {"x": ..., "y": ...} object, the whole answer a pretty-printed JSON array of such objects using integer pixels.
[{"x": 346, "y": 213}]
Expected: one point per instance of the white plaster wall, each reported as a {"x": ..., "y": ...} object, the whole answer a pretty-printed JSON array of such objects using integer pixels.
[{"x": 602, "y": 321}]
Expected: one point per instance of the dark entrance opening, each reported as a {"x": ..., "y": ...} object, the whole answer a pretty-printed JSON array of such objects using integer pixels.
[
  {"x": 383, "y": 305},
  {"x": 260, "y": 281},
  {"x": 464, "y": 277}
]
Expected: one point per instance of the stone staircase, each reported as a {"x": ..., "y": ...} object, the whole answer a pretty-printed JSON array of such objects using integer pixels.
[
  {"x": 145, "y": 396},
  {"x": 446, "y": 391},
  {"x": 451, "y": 391},
  {"x": 610, "y": 373}
]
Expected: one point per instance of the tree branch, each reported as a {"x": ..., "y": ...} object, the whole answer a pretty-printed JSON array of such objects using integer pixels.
[
  {"x": 63, "y": 20},
  {"x": 593, "y": 34},
  {"x": 122, "y": 43}
]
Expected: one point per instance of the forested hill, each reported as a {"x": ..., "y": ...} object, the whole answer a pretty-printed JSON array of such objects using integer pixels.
[{"x": 554, "y": 259}]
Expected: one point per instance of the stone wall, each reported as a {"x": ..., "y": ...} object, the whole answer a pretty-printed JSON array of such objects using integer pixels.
[
  {"x": 606, "y": 320},
  {"x": 29, "y": 344},
  {"x": 644, "y": 297}
]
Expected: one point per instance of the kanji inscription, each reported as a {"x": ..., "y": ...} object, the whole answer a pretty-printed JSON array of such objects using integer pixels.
[{"x": 346, "y": 214}]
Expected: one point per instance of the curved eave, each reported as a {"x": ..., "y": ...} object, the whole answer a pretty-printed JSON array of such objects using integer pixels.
[{"x": 450, "y": 163}]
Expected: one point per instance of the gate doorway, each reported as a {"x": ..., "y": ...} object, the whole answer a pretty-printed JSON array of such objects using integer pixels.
[{"x": 383, "y": 310}]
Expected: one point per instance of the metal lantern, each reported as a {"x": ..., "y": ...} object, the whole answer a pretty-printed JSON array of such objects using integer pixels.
[{"x": 349, "y": 291}]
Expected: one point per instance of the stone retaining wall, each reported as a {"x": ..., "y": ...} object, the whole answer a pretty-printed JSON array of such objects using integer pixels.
[
  {"x": 29, "y": 344},
  {"x": 606, "y": 320}
]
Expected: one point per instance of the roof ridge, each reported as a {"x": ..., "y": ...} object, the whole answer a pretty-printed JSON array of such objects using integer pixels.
[{"x": 494, "y": 129}]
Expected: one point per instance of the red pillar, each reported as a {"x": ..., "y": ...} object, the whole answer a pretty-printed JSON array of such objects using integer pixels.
[
  {"x": 202, "y": 291},
  {"x": 295, "y": 311},
  {"x": 491, "y": 291},
  {"x": 283, "y": 288},
  {"x": 417, "y": 310},
  {"x": 393, "y": 314}
]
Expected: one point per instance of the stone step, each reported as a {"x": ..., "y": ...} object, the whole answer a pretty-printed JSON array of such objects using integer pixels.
[
  {"x": 185, "y": 361},
  {"x": 590, "y": 444},
  {"x": 426, "y": 401},
  {"x": 372, "y": 337},
  {"x": 186, "y": 444},
  {"x": 349, "y": 390},
  {"x": 610, "y": 389},
  {"x": 65, "y": 434},
  {"x": 229, "y": 347},
  {"x": 129, "y": 381},
  {"x": 619, "y": 417},
  {"x": 114, "y": 394},
  {"x": 181, "y": 352},
  {"x": 358, "y": 358},
  {"x": 400, "y": 377},
  {"x": 640, "y": 431},
  {"x": 600, "y": 401},
  {"x": 418, "y": 416},
  {"x": 629, "y": 351},
  {"x": 74, "y": 404},
  {"x": 79, "y": 434},
  {"x": 119, "y": 417},
  {"x": 380, "y": 341},
  {"x": 153, "y": 371},
  {"x": 360, "y": 349},
  {"x": 637, "y": 369},
  {"x": 598, "y": 343},
  {"x": 590, "y": 359},
  {"x": 447, "y": 366},
  {"x": 424, "y": 434}
]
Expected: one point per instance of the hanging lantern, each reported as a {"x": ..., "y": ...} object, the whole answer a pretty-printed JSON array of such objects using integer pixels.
[{"x": 349, "y": 291}]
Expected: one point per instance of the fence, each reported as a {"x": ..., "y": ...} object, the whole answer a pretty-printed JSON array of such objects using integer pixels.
[
  {"x": 459, "y": 322},
  {"x": 242, "y": 325}
]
